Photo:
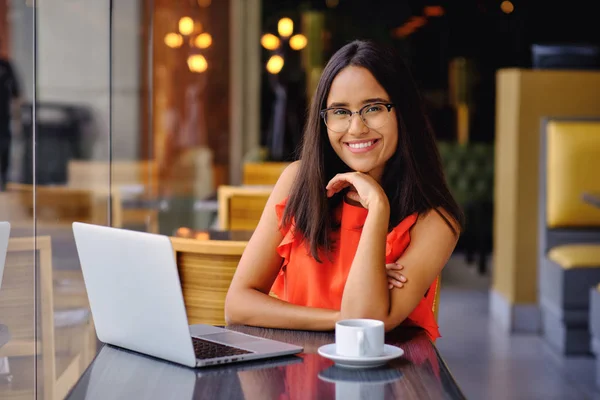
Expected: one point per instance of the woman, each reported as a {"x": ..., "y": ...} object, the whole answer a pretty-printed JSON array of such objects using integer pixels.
[{"x": 367, "y": 198}]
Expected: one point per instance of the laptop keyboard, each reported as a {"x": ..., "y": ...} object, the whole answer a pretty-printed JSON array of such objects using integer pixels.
[{"x": 206, "y": 349}]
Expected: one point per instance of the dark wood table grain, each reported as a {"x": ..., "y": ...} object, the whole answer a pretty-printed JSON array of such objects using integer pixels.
[
  {"x": 419, "y": 374},
  {"x": 4, "y": 335},
  {"x": 592, "y": 199}
]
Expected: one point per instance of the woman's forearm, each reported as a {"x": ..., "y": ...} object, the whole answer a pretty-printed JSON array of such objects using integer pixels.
[
  {"x": 252, "y": 307},
  {"x": 366, "y": 293}
]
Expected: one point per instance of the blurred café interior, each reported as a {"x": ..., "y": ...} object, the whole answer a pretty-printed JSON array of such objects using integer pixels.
[{"x": 176, "y": 117}]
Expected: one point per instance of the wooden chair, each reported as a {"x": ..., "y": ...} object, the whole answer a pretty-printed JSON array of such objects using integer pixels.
[
  {"x": 18, "y": 306},
  {"x": 61, "y": 205},
  {"x": 206, "y": 268},
  {"x": 139, "y": 176},
  {"x": 263, "y": 173},
  {"x": 240, "y": 207},
  {"x": 93, "y": 174}
]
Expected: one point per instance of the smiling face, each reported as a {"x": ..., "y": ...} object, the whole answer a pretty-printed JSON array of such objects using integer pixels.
[{"x": 363, "y": 148}]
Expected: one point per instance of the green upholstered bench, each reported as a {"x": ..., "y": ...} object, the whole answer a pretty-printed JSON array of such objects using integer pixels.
[{"x": 469, "y": 171}]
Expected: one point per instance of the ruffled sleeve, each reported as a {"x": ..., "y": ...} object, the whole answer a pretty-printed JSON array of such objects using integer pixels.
[
  {"x": 399, "y": 239},
  {"x": 284, "y": 249}
]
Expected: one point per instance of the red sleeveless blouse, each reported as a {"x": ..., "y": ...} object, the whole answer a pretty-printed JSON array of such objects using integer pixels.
[{"x": 304, "y": 281}]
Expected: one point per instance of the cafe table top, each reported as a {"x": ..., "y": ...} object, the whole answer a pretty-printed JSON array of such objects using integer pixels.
[{"x": 419, "y": 374}]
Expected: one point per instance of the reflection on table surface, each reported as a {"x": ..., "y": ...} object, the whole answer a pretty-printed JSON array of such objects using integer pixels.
[{"x": 419, "y": 374}]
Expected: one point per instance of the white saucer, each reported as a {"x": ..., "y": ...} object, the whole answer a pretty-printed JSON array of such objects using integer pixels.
[{"x": 389, "y": 353}]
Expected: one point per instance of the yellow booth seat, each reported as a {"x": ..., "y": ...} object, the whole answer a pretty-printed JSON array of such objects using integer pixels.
[
  {"x": 576, "y": 256},
  {"x": 572, "y": 155},
  {"x": 569, "y": 231}
]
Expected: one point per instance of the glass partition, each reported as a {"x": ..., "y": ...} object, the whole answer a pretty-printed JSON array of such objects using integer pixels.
[
  {"x": 117, "y": 113},
  {"x": 20, "y": 313},
  {"x": 70, "y": 171}
]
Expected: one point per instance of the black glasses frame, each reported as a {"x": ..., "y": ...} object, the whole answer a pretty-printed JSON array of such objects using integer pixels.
[{"x": 323, "y": 112}]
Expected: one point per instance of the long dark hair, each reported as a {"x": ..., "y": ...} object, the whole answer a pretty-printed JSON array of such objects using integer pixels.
[{"x": 413, "y": 179}]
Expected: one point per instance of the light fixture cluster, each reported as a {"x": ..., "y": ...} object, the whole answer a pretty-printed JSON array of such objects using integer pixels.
[
  {"x": 285, "y": 29},
  {"x": 197, "y": 39}
]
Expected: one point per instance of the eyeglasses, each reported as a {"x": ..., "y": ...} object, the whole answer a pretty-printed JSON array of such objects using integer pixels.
[{"x": 374, "y": 116}]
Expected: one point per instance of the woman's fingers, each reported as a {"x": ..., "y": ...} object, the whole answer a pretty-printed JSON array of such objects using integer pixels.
[
  {"x": 338, "y": 183},
  {"x": 395, "y": 278},
  {"x": 394, "y": 266},
  {"x": 392, "y": 283},
  {"x": 347, "y": 178},
  {"x": 393, "y": 271}
]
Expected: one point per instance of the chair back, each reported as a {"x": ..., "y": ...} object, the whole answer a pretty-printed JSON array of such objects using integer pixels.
[
  {"x": 17, "y": 303},
  {"x": 92, "y": 174},
  {"x": 49, "y": 339},
  {"x": 206, "y": 268},
  {"x": 263, "y": 173},
  {"x": 62, "y": 205},
  {"x": 240, "y": 207}
]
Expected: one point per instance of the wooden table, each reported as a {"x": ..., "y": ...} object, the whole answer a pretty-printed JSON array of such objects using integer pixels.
[
  {"x": 419, "y": 374},
  {"x": 4, "y": 335},
  {"x": 592, "y": 199}
]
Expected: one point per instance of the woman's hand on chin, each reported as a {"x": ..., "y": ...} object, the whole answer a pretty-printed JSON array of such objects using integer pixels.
[{"x": 364, "y": 189}]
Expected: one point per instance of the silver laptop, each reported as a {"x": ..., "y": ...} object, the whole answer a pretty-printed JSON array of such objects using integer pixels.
[
  {"x": 136, "y": 300},
  {"x": 4, "y": 235}
]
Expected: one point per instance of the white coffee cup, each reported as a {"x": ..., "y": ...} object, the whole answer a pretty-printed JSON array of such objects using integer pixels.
[{"x": 359, "y": 338}]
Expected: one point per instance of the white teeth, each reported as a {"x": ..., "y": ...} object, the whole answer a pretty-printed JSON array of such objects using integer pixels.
[{"x": 360, "y": 145}]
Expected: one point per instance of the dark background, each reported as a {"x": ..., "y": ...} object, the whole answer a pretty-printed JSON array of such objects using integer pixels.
[{"x": 475, "y": 29}]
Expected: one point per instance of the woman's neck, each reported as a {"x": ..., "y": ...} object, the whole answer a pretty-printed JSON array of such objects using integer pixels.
[{"x": 376, "y": 174}]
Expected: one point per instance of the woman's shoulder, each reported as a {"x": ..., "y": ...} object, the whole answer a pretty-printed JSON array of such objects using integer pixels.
[
  {"x": 284, "y": 184},
  {"x": 438, "y": 219}
]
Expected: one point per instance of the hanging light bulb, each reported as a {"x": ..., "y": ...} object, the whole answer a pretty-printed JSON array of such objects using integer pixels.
[
  {"x": 298, "y": 42},
  {"x": 197, "y": 63},
  {"x": 275, "y": 64},
  {"x": 270, "y": 41},
  {"x": 173, "y": 40},
  {"x": 285, "y": 27},
  {"x": 507, "y": 7},
  {"x": 186, "y": 26},
  {"x": 203, "y": 41},
  {"x": 433, "y": 11}
]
